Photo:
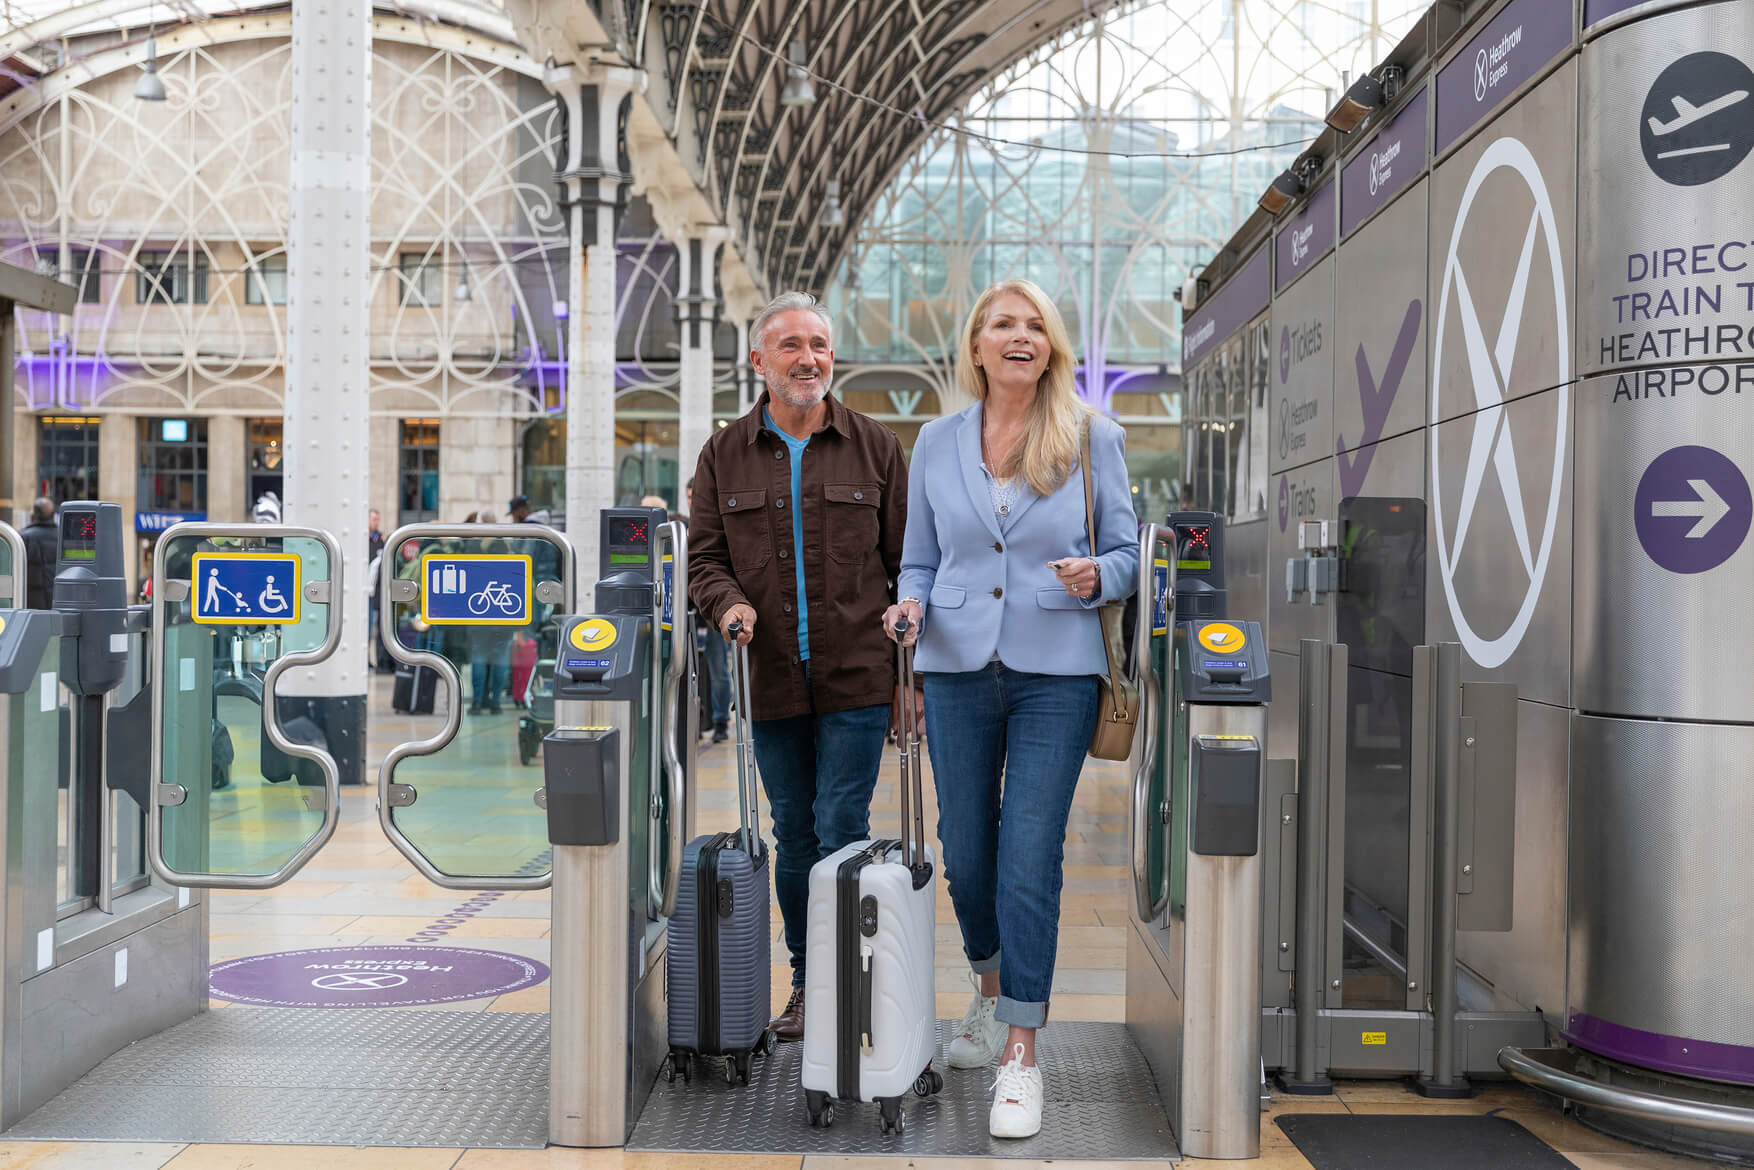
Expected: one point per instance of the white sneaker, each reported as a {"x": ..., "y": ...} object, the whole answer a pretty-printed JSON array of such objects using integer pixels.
[
  {"x": 981, "y": 1037},
  {"x": 1016, "y": 1099}
]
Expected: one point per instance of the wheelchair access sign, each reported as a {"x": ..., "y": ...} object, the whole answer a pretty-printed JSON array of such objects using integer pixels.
[
  {"x": 475, "y": 589},
  {"x": 245, "y": 589}
]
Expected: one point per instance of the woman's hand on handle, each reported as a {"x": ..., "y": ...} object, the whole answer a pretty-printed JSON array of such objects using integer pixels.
[
  {"x": 1078, "y": 575},
  {"x": 908, "y": 611}
]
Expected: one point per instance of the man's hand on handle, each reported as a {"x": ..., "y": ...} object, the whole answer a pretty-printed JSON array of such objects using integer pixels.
[
  {"x": 740, "y": 615},
  {"x": 908, "y": 611}
]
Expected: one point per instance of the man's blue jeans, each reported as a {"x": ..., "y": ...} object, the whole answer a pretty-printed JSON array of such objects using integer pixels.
[
  {"x": 1007, "y": 748},
  {"x": 718, "y": 670},
  {"x": 819, "y": 772}
]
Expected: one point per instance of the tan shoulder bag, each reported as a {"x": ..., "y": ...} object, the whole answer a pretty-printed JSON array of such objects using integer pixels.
[{"x": 1117, "y": 708}]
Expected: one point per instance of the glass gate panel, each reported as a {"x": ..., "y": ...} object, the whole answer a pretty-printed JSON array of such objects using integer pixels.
[
  {"x": 243, "y": 796},
  {"x": 13, "y": 569},
  {"x": 470, "y": 613}
]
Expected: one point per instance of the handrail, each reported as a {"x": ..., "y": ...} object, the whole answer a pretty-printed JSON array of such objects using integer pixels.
[
  {"x": 448, "y": 671},
  {"x": 1148, "y": 903},
  {"x": 20, "y": 567},
  {"x": 270, "y": 712},
  {"x": 675, "y": 593},
  {"x": 1525, "y": 1067}
]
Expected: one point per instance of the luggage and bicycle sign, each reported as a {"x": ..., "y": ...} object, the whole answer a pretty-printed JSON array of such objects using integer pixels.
[
  {"x": 475, "y": 589},
  {"x": 245, "y": 589}
]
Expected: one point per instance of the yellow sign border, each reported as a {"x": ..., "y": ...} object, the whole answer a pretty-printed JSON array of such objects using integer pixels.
[
  {"x": 1242, "y": 639},
  {"x": 529, "y": 589},
  {"x": 602, "y": 625},
  {"x": 297, "y": 594}
]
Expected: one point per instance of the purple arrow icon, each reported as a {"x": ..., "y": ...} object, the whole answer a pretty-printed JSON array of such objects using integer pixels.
[
  {"x": 1284, "y": 502},
  {"x": 1692, "y": 510},
  {"x": 1375, "y": 399},
  {"x": 1284, "y": 354}
]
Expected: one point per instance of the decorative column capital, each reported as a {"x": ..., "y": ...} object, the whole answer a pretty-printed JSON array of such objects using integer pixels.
[{"x": 595, "y": 169}]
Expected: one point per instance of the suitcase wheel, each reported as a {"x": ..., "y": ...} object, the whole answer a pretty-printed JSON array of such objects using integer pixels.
[
  {"x": 820, "y": 1107},
  {"x": 677, "y": 1062},
  {"x": 745, "y": 1065},
  {"x": 768, "y": 1043},
  {"x": 928, "y": 1082},
  {"x": 893, "y": 1119}
]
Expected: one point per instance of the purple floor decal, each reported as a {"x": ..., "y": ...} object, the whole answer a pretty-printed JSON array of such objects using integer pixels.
[{"x": 359, "y": 977}]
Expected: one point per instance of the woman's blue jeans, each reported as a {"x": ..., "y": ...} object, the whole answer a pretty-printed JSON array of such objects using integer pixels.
[{"x": 1007, "y": 748}]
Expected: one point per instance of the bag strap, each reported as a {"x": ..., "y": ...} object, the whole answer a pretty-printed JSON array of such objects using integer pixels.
[{"x": 1117, "y": 694}]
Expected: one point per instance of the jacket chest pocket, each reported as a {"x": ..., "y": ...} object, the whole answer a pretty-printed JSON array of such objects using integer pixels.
[
  {"x": 748, "y": 534},
  {"x": 850, "y": 516}
]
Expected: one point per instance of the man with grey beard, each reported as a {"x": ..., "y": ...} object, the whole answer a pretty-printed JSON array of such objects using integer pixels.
[{"x": 797, "y": 516}]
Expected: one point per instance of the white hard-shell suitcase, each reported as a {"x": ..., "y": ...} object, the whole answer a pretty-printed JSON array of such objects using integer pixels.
[{"x": 870, "y": 1012}]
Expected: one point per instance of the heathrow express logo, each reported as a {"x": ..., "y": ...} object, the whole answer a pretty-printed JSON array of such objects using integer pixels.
[
  {"x": 1489, "y": 366},
  {"x": 1698, "y": 119},
  {"x": 1480, "y": 69}
]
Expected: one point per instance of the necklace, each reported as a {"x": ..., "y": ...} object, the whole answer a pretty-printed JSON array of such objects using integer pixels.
[{"x": 1001, "y": 491}]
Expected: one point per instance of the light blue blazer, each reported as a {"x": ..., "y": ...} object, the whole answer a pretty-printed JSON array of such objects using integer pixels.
[{"x": 984, "y": 581}]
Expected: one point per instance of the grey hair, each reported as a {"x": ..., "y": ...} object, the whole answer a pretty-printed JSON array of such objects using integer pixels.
[{"x": 786, "y": 302}]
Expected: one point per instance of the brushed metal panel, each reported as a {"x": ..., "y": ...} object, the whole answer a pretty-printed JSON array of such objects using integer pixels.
[
  {"x": 1619, "y": 436},
  {"x": 74, "y": 1015},
  {"x": 1282, "y": 711},
  {"x": 1304, "y": 493},
  {"x": 1487, "y": 885},
  {"x": 1500, "y": 560},
  {"x": 1154, "y": 1014},
  {"x": 1503, "y": 238},
  {"x": 1245, "y": 570},
  {"x": 1300, "y": 402},
  {"x": 1660, "y": 262},
  {"x": 1379, "y": 336},
  {"x": 1526, "y": 964},
  {"x": 1662, "y": 825}
]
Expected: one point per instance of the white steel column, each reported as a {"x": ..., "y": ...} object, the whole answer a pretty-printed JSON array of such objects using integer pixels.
[
  {"x": 697, "y": 306},
  {"x": 594, "y": 177},
  {"x": 328, "y": 448}
]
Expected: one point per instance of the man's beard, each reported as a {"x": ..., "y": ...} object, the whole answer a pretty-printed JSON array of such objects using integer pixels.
[{"x": 795, "y": 396}]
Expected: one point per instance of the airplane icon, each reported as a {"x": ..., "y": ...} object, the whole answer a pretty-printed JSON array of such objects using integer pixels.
[{"x": 1686, "y": 113}]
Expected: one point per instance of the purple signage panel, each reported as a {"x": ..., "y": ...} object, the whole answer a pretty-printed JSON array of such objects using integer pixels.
[
  {"x": 371, "y": 977},
  {"x": 1242, "y": 296},
  {"x": 1512, "y": 48},
  {"x": 1377, "y": 173},
  {"x": 1305, "y": 238}
]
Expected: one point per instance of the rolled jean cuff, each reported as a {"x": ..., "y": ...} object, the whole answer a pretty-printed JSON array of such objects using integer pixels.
[
  {"x": 1019, "y": 1014},
  {"x": 983, "y": 966}
]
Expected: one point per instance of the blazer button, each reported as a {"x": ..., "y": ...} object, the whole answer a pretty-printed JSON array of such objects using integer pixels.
[
  {"x": 997, "y": 547},
  {"x": 998, "y": 593}
]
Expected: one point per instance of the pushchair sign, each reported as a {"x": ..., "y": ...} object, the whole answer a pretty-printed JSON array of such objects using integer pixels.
[
  {"x": 244, "y": 589},
  {"x": 464, "y": 589}
]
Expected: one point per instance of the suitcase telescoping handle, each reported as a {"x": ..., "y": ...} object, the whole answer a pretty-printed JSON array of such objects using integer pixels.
[
  {"x": 748, "y": 778},
  {"x": 907, "y": 742}
]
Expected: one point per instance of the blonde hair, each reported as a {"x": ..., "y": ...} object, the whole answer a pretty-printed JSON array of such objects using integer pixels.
[{"x": 1051, "y": 437}]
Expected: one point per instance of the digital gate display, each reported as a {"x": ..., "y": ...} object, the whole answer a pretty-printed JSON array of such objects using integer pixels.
[
  {"x": 1193, "y": 548},
  {"x": 78, "y": 535}
]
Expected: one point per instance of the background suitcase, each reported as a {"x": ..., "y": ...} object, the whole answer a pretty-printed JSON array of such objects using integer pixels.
[
  {"x": 871, "y": 1020},
  {"x": 414, "y": 688},
  {"x": 717, "y": 977}
]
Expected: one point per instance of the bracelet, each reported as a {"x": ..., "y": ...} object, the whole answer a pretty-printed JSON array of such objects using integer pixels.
[{"x": 915, "y": 600}]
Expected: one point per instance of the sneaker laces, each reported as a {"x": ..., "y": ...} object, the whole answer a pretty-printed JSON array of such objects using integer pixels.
[
  {"x": 979, "y": 1010},
  {"x": 1012, "y": 1082}
]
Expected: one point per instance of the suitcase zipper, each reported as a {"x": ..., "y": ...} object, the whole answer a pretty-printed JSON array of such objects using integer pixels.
[
  {"x": 852, "y": 971},
  {"x": 706, "y": 932}
]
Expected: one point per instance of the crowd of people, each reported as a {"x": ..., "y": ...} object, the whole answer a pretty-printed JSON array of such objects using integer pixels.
[{"x": 813, "y": 535}]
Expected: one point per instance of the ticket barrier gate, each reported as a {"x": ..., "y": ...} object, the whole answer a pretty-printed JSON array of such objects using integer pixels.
[
  {"x": 618, "y": 773},
  {"x": 1192, "y": 974}
]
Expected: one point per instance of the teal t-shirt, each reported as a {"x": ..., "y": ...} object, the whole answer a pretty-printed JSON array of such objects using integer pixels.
[{"x": 797, "y": 448}]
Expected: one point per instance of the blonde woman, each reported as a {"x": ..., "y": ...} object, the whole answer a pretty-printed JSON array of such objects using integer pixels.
[{"x": 1000, "y": 580}]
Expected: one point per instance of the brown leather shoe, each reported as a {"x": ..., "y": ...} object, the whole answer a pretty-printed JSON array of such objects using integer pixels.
[{"x": 789, "y": 1024}]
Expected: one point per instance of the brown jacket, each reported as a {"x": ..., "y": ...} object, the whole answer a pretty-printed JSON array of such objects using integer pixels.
[{"x": 740, "y": 550}]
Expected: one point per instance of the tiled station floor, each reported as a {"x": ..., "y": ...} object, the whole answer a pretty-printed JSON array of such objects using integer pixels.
[{"x": 359, "y": 891}]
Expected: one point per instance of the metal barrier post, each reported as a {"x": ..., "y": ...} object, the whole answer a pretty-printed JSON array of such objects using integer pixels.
[
  {"x": 1445, "y": 827},
  {"x": 1320, "y": 730}
]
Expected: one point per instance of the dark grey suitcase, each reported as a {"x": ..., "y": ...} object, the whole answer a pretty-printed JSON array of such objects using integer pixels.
[{"x": 718, "y": 977}]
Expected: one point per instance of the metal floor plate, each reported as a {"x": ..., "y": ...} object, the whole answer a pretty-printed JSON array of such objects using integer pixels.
[
  {"x": 297, "y": 1076},
  {"x": 1101, "y": 1103}
]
